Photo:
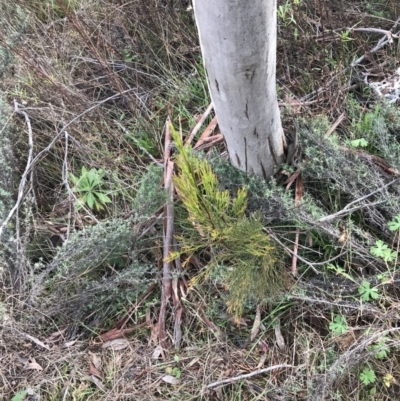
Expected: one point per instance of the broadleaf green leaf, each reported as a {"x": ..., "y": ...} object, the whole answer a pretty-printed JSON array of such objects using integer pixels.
[
  {"x": 339, "y": 325},
  {"x": 20, "y": 396},
  {"x": 367, "y": 292},
  {"x": 367, "y": 376},
  {"x": 90, "y": 200},
  {"x": 394, "y": 225},
  {"x": 103, "y": 198}
]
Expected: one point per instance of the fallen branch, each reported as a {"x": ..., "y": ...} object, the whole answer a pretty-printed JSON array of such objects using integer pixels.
[
  {"x": 247, "y": 375},
  {"x": 115, "y": 333}
]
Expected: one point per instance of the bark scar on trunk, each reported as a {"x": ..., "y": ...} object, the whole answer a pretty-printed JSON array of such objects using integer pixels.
[
  {"x": 264, "y": 173},
  {"x": 217, "y": 85},
  {"x": 238, "y": 160},
  {"x": 247, "y": 110},
  {"x": 249, "y": 73},
  {"x": 271, "y": 149}
]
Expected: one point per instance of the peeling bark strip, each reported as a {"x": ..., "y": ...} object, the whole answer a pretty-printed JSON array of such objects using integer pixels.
[{"x": 238, "y": 43}]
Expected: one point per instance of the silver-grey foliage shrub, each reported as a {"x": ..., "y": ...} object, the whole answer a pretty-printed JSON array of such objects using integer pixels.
[
  {"x": 7, "y": 244},
  {"x": 332, "y": 179},
  {"x": 102, "y": 266}
]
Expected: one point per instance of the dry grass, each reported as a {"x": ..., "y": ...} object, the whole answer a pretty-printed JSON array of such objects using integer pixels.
[{"x": 124, "y": 67}]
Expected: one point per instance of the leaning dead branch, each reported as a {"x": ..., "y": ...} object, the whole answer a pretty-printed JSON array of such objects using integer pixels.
[{"x": 166, "y": 291}]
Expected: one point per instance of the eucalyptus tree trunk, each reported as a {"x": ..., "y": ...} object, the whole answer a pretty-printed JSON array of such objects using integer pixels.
[{"x": 238, "y": 43}]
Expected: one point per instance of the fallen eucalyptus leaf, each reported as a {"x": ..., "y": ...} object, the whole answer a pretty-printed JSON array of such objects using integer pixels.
[{"x": 117, "y": 344}]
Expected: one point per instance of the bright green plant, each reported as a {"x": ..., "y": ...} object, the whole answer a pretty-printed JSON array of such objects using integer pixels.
[
  {"x": 367, "y": 293},
  {"x": 359, "y": 143},
  {"x": 241, "y": 249},
  {"x": 89, "y": 189},
  {"x": 175, "y": 371},
  {"x": 394, "y": 225},
  {"x": 381, "y": 349},
  {"x": 338, "y": 325},
  {"x": 365, "y": 124},
  {"x": 367, "y": 376},
  {"x": 345, "y": 36},
  {"x": 285, "y": 13},
  {"x": 340, "y": 271},
  {"x": 20, "y": 396},
  {"x": 381, "y": 250}
]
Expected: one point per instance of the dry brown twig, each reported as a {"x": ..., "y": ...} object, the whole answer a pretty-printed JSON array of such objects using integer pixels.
[
  {"x": 347, "y": 209},
  {"x": 207, "y": 132},
  {"x": 199, "y": 124},
  {"x": 247, "y": 375},
  {"x": 297, "y": 199},
  {"x": 209, "y": 142},
  {"x": 166, "y": 290}
]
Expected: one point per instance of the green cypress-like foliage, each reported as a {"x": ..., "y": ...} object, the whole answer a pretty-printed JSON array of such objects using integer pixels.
[{"x": 248, "y": 257}]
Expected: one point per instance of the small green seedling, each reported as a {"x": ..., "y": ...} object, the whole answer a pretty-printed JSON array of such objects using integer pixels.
[
  {"x": 340, "y": 271},
  {"x": 345, "y": 36},
  {"x": 381, "y": 250},
  {"x": 367, "y": 376},
  {"x": 88, "y": 188},
  {"x": 367, "y": 293},
  {"x": 176, "y": 372},
  {"x": 285, "y": 13},
  {"x": 381, "y": 350},
  {"x": 359, "y": 143},
  {"x": 394, "y": 225},
  {"x": 20, "y": 396},
  {"x": 339, "y": 325}
]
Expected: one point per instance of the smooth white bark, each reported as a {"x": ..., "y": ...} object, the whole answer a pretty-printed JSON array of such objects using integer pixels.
[{"x": 238, "y": 43}]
